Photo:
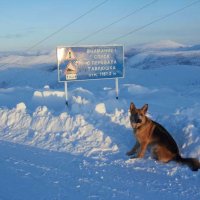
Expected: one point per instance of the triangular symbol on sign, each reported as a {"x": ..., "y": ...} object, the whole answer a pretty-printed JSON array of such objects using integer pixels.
[{"x": 70, "y": 55}]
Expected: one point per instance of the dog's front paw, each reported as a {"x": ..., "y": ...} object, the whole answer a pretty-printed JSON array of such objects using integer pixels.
[
  {"x": 133, "y": 157},
  {"x": 130, "y": 153}
]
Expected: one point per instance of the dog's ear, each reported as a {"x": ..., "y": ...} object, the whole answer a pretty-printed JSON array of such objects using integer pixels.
[
  {"x": 132, "y": 107},
  {"x": 145, "y": 108}
]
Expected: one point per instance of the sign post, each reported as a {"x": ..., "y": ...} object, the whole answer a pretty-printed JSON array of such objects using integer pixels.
[
  {"x": 117, "y": 88},
  {"x": 66, "y": 94},
  {"x": 90, "y": 63}
]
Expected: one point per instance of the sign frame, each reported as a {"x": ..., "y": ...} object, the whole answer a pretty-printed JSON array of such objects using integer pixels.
[{"x": 91, "y": 46}]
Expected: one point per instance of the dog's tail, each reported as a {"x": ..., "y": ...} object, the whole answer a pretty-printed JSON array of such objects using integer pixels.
[{"x": 192, "y": 163}]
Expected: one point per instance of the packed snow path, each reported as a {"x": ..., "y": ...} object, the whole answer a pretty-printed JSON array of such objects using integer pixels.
[{"x": 32, "y": 173}]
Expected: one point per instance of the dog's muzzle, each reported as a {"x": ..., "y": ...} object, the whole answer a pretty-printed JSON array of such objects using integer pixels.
[{"x": 134, "y": 118}]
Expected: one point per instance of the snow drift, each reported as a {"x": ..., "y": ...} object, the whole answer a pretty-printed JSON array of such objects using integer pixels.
[{"x": 57, "y": 133}]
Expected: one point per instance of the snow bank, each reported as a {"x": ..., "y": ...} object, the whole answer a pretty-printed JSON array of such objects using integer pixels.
[
  {"x": 48, "y": 97},
  {"x": 189, "y": 118},
  {"x": 62, "y": 133},
  {"x": 138, "y": 89}
]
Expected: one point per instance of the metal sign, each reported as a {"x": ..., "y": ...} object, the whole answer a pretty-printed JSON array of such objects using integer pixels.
[{"x": 91, "y": 62}]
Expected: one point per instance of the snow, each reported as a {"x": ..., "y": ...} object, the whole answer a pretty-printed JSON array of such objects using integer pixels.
[
  {"x": 163, "y": 44},
  {"x": 21, "y": 107},
  {"x": 51, "y": 151},
  {"x": 57, "y": 133},
  {"x": 100, "y": 108}
]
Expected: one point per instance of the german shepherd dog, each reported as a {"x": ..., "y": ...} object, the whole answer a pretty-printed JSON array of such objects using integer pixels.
[{"x": 149, "y": 133}]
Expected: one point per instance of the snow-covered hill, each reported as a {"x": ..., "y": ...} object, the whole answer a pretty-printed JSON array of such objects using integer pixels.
[
  {"x": 50, "y": 151},
  {"x": 163, "y": 54}
]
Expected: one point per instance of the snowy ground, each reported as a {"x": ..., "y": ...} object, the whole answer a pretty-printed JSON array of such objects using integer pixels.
[{"x": 49, "y": 151}]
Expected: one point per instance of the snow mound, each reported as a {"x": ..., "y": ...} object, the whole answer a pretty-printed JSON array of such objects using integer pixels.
[
  {"x": 62, "y": 133},
  {"x": 191, "y": 120},
  {"x": 138, "y": 89},
  {"x": 21, "y": 107},
  {"x": 49, "y": 98},
  {"x": 100, "y": 108},
  {"x": 46, "y": 94}
]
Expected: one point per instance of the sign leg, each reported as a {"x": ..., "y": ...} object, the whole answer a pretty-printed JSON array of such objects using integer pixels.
[
  {"x": 66, "y": 94},
  {"x": 117, "y": 88}
]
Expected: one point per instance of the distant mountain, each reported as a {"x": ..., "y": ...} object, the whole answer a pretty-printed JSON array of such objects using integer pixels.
[
  {"x": 151, "y": 55},
  {"x": 162, "y": 54},
  {"x": 192, "y": 48},
  {"x": 27, "y": 59},
  {"x": 164, "y": 44}
]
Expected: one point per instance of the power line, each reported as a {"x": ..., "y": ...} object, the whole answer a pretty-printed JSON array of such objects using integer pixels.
[
  {"x": 154, "y": 21},
  {"x": 67, "y": 25},
  {"x": 115, "y": 22},
  {"x": 59, "y": 30}
]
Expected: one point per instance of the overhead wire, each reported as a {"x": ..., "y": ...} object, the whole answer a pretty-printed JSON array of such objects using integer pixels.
[
  {"x": 67, "y": 25},
  {"x": 115, "y": 22},
  {"x": 154, "y": 21}
]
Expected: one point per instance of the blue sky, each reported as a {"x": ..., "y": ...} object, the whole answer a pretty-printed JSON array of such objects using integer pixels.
[{"x": 24, "y": 23}]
